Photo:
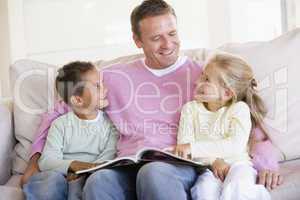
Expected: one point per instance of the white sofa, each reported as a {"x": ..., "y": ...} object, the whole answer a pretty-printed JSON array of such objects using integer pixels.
[{"x": 276, "y": 64}]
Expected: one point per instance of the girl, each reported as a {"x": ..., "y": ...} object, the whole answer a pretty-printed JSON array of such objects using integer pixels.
[{"x": 215, "y": 128}]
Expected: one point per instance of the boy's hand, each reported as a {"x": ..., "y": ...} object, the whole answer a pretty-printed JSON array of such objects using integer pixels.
[
  {"x": 220, "y": 169},
  {"x": 77, "y": 165},
  {"x": 183, "y": 150},
  {"x": 72, "y": 177}
]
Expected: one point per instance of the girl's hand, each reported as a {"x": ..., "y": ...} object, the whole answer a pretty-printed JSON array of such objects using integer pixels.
[
  {"x": 220, "y": 169},
  {"x": 183, "y": 150}
]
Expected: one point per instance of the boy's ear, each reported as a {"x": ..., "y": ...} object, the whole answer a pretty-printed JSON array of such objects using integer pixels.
[{"x": 76, "y": 101}]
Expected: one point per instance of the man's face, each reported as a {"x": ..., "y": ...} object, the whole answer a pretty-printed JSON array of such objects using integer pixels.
[{"x": 159, "y": 40}]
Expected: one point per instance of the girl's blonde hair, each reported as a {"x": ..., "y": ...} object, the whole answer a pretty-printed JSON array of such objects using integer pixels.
[{"x": 237, "y": 75}]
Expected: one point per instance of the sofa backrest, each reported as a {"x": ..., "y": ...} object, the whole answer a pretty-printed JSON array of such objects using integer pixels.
[{"x": 7, "y": 142}]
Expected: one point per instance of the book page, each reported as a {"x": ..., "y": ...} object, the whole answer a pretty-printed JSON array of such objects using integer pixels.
[{"x": 109, "y": 164}]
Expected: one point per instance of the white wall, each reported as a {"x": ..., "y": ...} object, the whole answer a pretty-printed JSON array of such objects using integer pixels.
[
  {"x": 57, "y": 31},
  {"x": 4, "y": 49},
  {"x": 218, "y": 13}
]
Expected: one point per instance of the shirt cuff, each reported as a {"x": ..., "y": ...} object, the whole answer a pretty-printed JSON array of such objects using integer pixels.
[
  {"x": 36, "y": 148},
  {"x": 65, "y": 166}
]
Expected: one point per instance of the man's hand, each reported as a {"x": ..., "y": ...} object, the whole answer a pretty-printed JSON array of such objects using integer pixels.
[
  {"x": 270, "y": 179},
  {"x": 183, "y": 150},
  {"x": 220, "y": 169},
  {"x": 31, "y": 169},
  {"x": 77, "y": 165}
]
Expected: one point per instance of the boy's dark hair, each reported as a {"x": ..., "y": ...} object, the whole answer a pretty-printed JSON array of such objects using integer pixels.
[
  {"x": 69, "y": 79},
  {"x": 148, "y": 8}
]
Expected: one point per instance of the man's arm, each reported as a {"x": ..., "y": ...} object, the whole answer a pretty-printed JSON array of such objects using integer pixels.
[
  {"x": 38, "y": 144},
  {"x": 265, "y": 160}
]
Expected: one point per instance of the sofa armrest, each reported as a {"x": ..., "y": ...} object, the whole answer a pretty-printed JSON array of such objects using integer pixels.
[{"x": 7, "y": 140}]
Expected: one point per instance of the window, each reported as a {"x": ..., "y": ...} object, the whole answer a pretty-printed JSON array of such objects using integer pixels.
[
  {"x": 291, "y": 10},
  {"x": 255, "y": 20}
]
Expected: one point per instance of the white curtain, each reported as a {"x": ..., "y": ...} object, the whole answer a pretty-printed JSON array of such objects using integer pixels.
[{"x": 291, "y": 9}]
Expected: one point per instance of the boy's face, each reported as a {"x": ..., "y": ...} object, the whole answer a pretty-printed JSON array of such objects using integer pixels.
[{"x": 94, "y": 93}]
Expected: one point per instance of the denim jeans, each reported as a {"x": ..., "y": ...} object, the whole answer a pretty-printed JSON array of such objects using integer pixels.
[
  {"x": 46, "y": 186},
  {"x": 52, "y": 185},
  {"x": 152, "y": 181}
]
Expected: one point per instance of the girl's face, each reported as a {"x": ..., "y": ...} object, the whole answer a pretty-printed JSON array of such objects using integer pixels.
[{"x": 210, "y": 87}]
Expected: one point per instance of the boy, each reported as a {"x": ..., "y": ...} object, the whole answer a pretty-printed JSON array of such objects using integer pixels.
[{"x": 78, "y": 139}]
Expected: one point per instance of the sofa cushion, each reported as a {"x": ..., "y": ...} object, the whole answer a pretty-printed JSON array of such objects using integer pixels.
[
  {"x": 289, "y": 190},
  {"x": 11, "y": 193},
  {"x": 32, "y": 84},
  {"x": 276, "y": 66},
  {"x": 33, "y": 91},
  {"x": 14, "y": 181},
  {"x": 6, "y": 142}
]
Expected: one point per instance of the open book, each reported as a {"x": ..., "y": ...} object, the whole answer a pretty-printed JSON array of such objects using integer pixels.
[{"x": 143, "y": 156}]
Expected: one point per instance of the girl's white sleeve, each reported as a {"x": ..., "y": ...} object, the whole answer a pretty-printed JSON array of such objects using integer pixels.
[{"x": 186, "y": 129}]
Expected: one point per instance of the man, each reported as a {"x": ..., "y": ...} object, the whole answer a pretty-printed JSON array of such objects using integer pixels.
[{"x": 145, "y": 98}]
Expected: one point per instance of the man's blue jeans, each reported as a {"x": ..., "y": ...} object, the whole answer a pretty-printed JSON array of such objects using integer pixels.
[{"x": 153, "y": 181}]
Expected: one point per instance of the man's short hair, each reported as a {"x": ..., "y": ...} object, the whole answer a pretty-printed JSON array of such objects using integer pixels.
[
  {"x": 69, "y": 80},
  {"x": 148, "y": 8}
]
